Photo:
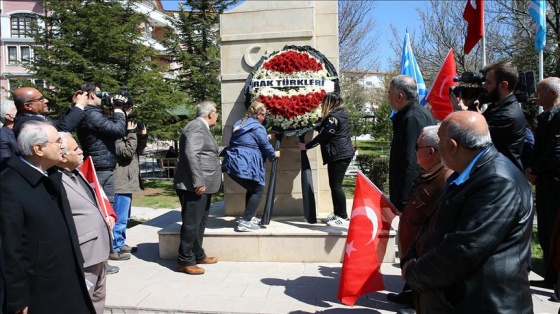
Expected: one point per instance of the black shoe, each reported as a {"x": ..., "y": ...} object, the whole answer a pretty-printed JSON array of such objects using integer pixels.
[
  {"x": 406, "y": 311},
  {"x": 109, "y": 270},
  {"x": 541, "y": 284},
  {"x": 404, "y": 297}
]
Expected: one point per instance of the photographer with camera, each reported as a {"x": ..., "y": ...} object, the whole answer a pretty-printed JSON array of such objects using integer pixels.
[
  {"x": 503, "y": 114},
  {"x": 127, "y": 181},
  {"x": 31, "y": 104},
  {"x": 97, "y": 135}
]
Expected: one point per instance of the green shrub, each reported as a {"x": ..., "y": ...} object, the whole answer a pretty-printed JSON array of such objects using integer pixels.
[{"x": 376, "y": 168}]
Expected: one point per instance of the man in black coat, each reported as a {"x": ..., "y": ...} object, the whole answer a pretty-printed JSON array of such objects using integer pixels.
[
  {"x": 408, "y": 121},
  {"x": 41, "y": 258},
  {"x": 30, "y": 104},
  {"x": 504, "y": 115},
  {"x": 545, "y": 170},
  {"x": 475, "y": 256}
]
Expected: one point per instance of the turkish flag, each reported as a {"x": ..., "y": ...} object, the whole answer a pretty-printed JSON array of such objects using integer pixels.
[
  {"x": 438, "y": 96},
  {"x": 475, "y": 20},
  {"x": 368, "y": 233},
  {"x": 88, "y": 170}
]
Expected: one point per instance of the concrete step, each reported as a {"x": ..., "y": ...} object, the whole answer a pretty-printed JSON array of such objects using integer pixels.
[{"x": 285, "y": 239}]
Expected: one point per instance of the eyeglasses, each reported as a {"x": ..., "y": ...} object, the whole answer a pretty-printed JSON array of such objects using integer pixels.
[
  {"x": 41, "y": 99},
  {"x": 420, "y": 147},
  {"x": 57, "y": 142}
]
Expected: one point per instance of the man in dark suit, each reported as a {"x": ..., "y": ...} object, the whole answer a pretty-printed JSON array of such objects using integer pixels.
[
  {"x": 93, "y": 231},
  {"x": 8, "y": 143},
  {"x": 41, "y": 258},
  {"x": 198, "y": 175},
  {"x": 30, "y": 104}
]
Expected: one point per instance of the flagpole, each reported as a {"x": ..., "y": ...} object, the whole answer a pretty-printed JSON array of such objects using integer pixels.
[
  {"x": 541, "y": 65},
  {"x": 483, "y": 42}
]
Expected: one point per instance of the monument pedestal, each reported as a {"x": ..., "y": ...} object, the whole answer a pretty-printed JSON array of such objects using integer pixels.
[{"x": 285, "y": 239}]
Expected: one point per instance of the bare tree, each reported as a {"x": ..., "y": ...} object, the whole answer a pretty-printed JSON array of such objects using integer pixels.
[
  {"x": 509, "y": 35},
  {"x": 357, "y": 35}
]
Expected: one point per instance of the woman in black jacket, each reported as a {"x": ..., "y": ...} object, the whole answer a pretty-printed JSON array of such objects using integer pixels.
[{"x": 337, "y": 152}]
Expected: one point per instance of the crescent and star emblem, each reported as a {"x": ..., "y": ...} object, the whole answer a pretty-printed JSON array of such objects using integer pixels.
[{"x": 372, "y": 216}]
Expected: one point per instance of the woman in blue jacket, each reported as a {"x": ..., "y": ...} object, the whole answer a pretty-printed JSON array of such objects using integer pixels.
[{"x": 244, "y": 161}]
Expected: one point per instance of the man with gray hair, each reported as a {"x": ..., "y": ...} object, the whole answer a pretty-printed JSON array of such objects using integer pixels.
[
  {"x": 198, "y": 175},
  {"x": 41, "y": 258},
  {"x": 8, "y": 143},
  {"x": 94, "y": 233},
  {"x": 475, "y": 257},
  {"x": 545, "y": 170},
  {"x": 424, "y": 194},
  {"x": 408, "y": 121}
]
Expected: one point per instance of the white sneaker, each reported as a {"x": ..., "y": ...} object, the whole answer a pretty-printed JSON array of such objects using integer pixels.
[
  {"x": 328, "y": 218},
  {"x": 255, "y": 221},
  {"x": 339, "y": 222},
  {"x": 247, "y": 226}
]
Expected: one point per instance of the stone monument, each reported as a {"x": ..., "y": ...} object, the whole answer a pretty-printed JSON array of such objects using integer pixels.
[{"x": 254, "y": 29}]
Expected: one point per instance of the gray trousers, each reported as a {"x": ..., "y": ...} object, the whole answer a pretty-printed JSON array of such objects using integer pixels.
[{"x": 95, "y": 282}]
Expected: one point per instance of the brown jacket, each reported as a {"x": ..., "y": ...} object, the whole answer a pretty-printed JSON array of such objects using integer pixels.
[{"x": 420, "y": 205}]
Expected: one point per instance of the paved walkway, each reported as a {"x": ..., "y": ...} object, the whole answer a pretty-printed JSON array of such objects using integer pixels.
[{"x": 147, "y": 284}]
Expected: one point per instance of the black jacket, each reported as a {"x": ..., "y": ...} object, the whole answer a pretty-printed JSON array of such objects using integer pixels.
[
  {"x": 546, "y": 160},
  {"x": 66, "y": 123},
  {"x": 475, "y": 259},
  {"x": 41, "y": 257},
  {"x": 506, "y": 122},
  {"x": 334, "y": 137},
  {"x": 97, "y": 135},
  {"x": 403, "y": 168}
]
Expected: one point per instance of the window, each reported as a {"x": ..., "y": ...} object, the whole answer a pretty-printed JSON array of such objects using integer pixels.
[
  {"x": 25, "y": 53},
  {"x": 19, "y": 54},
  {"x": 12, "y": 55},
  {"x": 21, "y": 25}
]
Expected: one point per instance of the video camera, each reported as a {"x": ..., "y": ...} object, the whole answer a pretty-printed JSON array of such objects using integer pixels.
[
  {"x": 470, "y": 85},
  {"x": 106, "y": 98}
]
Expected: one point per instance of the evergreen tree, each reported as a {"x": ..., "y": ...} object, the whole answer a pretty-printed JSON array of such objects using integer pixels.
[
  {"x": 100, "y": 41},
  {"x": 194, "y": 45}
]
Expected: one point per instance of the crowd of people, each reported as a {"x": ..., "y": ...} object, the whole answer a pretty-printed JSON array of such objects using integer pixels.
[{"x": 461, "y": 187}]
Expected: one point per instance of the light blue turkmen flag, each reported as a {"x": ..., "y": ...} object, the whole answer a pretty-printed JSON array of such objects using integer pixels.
[
  {"x": 409, "y": 67},
  {"x": 537, "y": 10}
]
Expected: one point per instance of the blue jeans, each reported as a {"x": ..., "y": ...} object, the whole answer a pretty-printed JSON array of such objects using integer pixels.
[{"x": 122, "y": 209}]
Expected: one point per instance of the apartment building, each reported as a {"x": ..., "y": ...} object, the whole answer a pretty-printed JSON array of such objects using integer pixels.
[{"x": 17, "y": 18}]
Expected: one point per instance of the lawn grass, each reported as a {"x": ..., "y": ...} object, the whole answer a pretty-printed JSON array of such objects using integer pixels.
[{"x": 369, "y": 147}]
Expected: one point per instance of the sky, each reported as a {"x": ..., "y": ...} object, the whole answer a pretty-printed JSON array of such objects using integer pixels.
[{"x": 402, "y": 14}]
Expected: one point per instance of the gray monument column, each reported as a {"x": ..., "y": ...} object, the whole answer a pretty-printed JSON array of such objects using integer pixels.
[{"x": 254, "y": 29}]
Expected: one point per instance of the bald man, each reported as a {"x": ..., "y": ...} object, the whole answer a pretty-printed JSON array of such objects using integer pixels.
[
  {"x": 31, "y": 104},
  {"x": 475, "y": 259},
  {"x": 545, "y": 170}
]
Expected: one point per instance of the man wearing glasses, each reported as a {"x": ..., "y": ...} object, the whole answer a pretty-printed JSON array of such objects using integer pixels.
[
  {"x": 30, "y": 104},
  {"x": 41, "y": 259}
]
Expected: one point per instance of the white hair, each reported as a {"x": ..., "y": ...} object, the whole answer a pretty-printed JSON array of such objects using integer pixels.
[
  {"x": 6, "y": 107},
  {"x": 204, "y": 108},
  {"x": 430, "y": 136},
  {"x": 64, "y": 136},
  {"x": 32, "y": 133}
]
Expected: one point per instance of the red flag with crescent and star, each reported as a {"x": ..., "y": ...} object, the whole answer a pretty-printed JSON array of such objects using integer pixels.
[
  {"x": 474, "y": 15},
  {"x": 88, "y": 170},
  {"x": 438, "y": 96},
  {"x": 368, "y": 233}
]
